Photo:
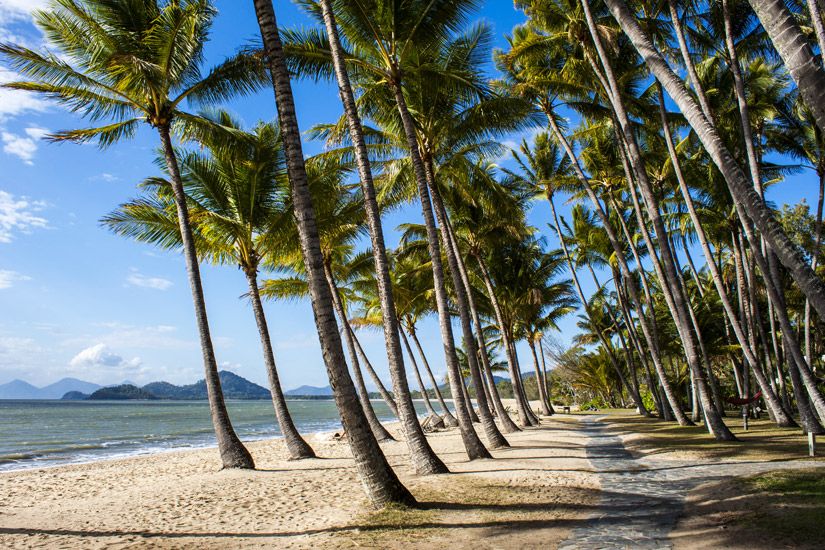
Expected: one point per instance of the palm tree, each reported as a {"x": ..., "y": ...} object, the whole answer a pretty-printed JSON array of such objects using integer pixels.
[
  {"x": 139, "y": 63},
  {"x": 380, "y": 482},
  {"x": 234, "y": 193}
]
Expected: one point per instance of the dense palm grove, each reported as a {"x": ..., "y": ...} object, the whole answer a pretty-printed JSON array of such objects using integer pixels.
[{"x": 660, "y": 123}]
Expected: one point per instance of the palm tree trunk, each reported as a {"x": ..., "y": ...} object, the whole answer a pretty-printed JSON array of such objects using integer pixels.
[
  {"x": 378, "y": 430},
  {"x": 449, "y": 419},
  {"x": 233, "y": 453},
  {"x": 631, "y": 389},
  {"x": 741, "y": 190},
  {"x": 424, "y": 396},
  {"x": 506, "y": 422},
  {"x": 814, "y": 261},
  {"x": 424, "y": 459},
  {"x": 673, "y": 400},
  {"x": 472, "y": 444},
  {"x": 378, "y": 478},
  {"x": 543, "y": 402},
  {"x": 544, "y": 379},
  {"x": 520, "y": 406},
  {"x": 795, "y": 51},
  {"x": 295, "y": 444},
  {"x": 688, "y": 61},
  {"x": 385, "y": 395}
]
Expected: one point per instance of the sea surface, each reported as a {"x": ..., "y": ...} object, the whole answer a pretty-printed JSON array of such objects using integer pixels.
[{"x": 42, "y": 433}]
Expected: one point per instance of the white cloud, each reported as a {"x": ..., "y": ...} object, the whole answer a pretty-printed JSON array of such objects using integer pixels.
[
  {"x": 157, "y": 283},
  {"x": 12, "y": 349},
  {"x": 100, "y": 356},
  {"x": 17, "y": 215},
  {"x": 23, "y": 147},
  {"x": 19, "y": 146},
  {"x": 8, "y": 277}
]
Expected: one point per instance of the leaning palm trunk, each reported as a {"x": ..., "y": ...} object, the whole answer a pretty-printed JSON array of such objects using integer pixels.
[
  {"x": 295, "y": 444},
  {"x": 795, "y": 50},
  {"x": 545, "y": 380},
  {"x": 449, "y": 419},
  {"x": 379, "y": 480},
  {"x": 424, "y": 459},
  {"x": 672, "y": 399},
  {"x": 543, "y": 401},
  {"x": 495, "y": 439},
  {"x": 378, "y": 430},
  {"x": 472, "y": 444},
  {"x": 631, "y": 388},
  {"x": 233, "y": 452},
  {"x": 782, "y": 417},
  {"x": 385, "y": 395},
  {"x": 741, "y": 190},
  {"x": 520, "y": 406},
  {"x": 424, "y": 396},
  {"x": 814, "y": 263},
  {"x": 506, "y": 422},
  {"x": 667, "y": 271}
]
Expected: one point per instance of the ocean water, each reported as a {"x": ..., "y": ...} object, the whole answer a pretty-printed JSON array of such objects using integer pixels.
[{"x": 42, "y": 433}]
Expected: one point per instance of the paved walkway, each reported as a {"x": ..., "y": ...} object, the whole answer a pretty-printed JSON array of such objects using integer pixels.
[{"x": 642, "y": 498}]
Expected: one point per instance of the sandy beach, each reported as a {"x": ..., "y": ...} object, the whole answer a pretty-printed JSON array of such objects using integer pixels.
[{"x": 528, "y": 497}]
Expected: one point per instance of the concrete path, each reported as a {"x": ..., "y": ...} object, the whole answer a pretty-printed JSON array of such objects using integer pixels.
[{"x": 642, "y": 498}]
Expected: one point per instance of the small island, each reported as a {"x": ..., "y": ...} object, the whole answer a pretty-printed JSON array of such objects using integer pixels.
[{"x": 121, "y": 392}]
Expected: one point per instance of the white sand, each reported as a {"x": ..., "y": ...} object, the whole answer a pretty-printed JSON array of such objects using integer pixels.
[{"x": 184, "y": 500}]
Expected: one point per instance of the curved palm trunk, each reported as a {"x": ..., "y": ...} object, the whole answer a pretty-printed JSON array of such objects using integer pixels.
[
  {"x": 782, "y": 417},
  {"x": 449, "y": 419},
  {"x": 543, "y": 401},
  {"x": 688, "y": 61},
  {"x": 544, "y": 381},
  {"x": 385, "y": 395},
  {"x": 378, "y": 430},
  {"x": 472, "y": 444},
  {"x": 632, "y": 389},
  {"x": 795, "y": 50},
  {"x": 295, "y": 444},
  {"x": 741, "y": 190},
  {"x": 814, "y": 262},
  {"x": 424, "y": 396},
  {"x": 378, "y": 478},
  {"x": 518, "y": 385},
  {"x": 233, "y": 453},
  {"x": 667, "y": 271},
  {"x": 506, "y": 422},
  {"x": 495, "y": 439},
  {"x": 520, "y": 406},
  {"x": 424, "y": 459}
]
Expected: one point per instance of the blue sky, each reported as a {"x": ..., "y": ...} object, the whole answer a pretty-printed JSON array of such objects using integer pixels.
[{"x": 76, "y": 300}]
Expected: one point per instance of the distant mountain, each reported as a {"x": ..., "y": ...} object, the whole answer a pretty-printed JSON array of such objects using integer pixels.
[
  {"x": 74, "y": 396},
  {"x": 62, "y": 387},
  {"x": 124, "y": 391},
  {"x": 234, "y": 387},
  {"x": 310, "y": 390},
  {"x": 17, "y": 389}
]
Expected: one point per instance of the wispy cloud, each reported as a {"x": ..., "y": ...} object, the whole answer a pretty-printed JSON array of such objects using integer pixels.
[
  {"x": 8, "y": 277},
  {"x": 17, "y": 215},
  {"x": 136, "y": 279},
  {"x": 21, "y": 146}
]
